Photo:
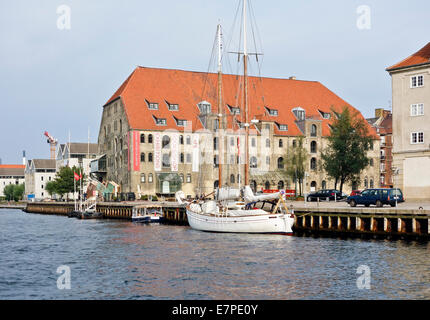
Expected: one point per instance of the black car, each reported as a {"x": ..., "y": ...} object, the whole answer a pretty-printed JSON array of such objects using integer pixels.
[
  {"x": 323, "y": 195},
  {"x": 377, "y": 197}
]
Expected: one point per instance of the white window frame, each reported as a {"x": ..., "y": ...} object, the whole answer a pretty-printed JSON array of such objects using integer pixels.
[
  {"x": 417, "y": 109},
  {"x": 416, "y": 79},
  {"x": 416, "y": 136}
]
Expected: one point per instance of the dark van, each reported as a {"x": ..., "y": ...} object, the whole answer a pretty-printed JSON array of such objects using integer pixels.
[{"x": 377, "y": 197}]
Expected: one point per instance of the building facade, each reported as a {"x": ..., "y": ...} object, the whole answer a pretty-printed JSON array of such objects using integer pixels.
[
  {"x": 160, "y": 132},
  {"x": 411, "y": 131},
  {"x": 382, "y": 122},
  {"x": 38, "y": 172},
  {"x": 11, "y": 174}
]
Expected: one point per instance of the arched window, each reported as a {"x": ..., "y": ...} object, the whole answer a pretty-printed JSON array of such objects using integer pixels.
[
  {"x": 281, "y": 143},
  {"x": 188, "y": 178},
  {"x": 253, "y": 162},
  {"x": 366, "y": 183},
  {"x": 313, "y": 147},
  {"x": 182, "y": 158},
  {"x": 313, "y": 130},
  {"x": 181, "y": 176},
  {"x": 372, "y": 184},
  {"x": 232, "y": 178},
  {"x": 216, "y": 162},
  {"x": 313, "y": 186},
  {"x": 142, "y": 138},
  {"x": 165, "y": 142},
  {"x": 142, "y": 178},
  {"x": 120, "y": 125},
  {"x": 150, "y": 157},
  {"x": 181, "y": 139},
  {"x": 254, "y": 186},
  {"x": 150, "y": 180},
  {"x": 324, "y": 184},
  {"x": 239, "y": 179},
  {"x": 142, "y": 157},
  {"x": 268, "y": 160},
  {"x": 313, "y": 164},
  {"x": 150, "y": 138},
  {"x": 268, "y": 143},
  {"x": 215, "y": 143},
  {"x": 280, "y": 163},
  {"x": 280, "y": 185},
  {"x": 188, "y": 139},
  {"x": 267, "y": 185}
]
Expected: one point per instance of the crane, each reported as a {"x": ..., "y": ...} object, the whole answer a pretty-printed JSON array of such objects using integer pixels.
[{"x": 52, "y": 142}]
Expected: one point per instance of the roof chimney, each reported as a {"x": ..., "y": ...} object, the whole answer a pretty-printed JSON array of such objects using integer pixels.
[{"x": 379, "y": 112}]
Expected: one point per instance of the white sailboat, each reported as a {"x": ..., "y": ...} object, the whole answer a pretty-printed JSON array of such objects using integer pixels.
[{"x": 234, "y": 210}]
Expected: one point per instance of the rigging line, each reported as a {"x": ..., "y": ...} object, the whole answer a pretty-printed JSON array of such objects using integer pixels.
[
  {"x": 211, "y": 61},
  {"x": 259, "y": 65},
  {"x": 232, "y": 28}
]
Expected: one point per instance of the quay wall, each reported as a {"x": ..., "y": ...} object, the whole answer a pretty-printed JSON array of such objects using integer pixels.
[{"x": 373, "y": 222}]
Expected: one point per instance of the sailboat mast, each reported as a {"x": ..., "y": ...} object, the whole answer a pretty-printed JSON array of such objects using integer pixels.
[
  {"x": 220, "y": 109},
  {"x": 245, "y": 91}
]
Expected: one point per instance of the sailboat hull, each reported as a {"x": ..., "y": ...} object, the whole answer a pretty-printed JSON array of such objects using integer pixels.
[{"x": 267, "y": 223}]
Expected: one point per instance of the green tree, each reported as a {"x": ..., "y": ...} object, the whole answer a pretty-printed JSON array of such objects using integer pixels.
[
  {"x": 18, "y": 192},
  {"x": 14, "y": 192},
  {"x": 64, "y": 180},
  {"x": 346, "y": 154},
  {"x": 51, "y": 188},
  {"x": 8, "y": 192},
  {"x": 295, "y": 163}
]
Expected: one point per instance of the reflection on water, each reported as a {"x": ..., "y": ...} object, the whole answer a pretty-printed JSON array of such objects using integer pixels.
[{"x": 121, "y": 260}]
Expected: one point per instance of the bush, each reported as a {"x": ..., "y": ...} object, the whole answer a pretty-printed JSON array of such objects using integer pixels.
[
  {"x": 144, "y": 198},
  {"x": 154, "y": 198}
]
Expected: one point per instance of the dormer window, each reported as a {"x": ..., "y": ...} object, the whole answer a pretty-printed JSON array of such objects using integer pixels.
[
  {"x": 160, "y": 121},
  {"x": 180, "y": 122},
  {"x": 172, "y": 106},
  {"x": 152, "y": 105},
  {"x": 299, "y": 113},
  {"x": 204, "y": 107},
  {"x": 272, "y": 112},
  {"x": 282, "y": 127},
  {"x": 234, "y": 110},
  {"x": 325, "y": 115}
]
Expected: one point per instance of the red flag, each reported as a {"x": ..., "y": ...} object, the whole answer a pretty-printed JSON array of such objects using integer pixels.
[{"x": 77, "y": 177}]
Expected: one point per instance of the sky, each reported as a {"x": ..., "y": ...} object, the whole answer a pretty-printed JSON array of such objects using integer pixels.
[{"x": 56, "y": 74}]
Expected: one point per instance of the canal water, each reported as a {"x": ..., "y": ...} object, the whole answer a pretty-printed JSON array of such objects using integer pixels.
[{"x": 121, "y": 260}]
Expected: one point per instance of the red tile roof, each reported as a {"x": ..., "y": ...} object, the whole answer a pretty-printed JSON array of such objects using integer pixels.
[
  {"x": 188, "y": 88},
  {"x": 12, "y": 166},
  {"x": 418, "y": 58}
]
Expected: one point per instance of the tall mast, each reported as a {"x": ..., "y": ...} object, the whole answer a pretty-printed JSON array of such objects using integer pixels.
[
  {"x": 245, "y": 79},
  {"x": 220, "y": 108}
]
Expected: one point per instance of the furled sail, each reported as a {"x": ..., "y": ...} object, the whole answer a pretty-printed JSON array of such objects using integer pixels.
[{"x": 250, "y": 197}]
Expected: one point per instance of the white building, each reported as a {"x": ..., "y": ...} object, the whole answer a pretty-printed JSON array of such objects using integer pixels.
[
  {"x": 76, "y": 154},
  {"x": 10, "y": 174},
  {"x": 38, "y": 172}
]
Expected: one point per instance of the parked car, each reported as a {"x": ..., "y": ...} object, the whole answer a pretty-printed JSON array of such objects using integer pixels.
[
  {"x": 323, "y": 195},
  {"x": 355, "y": 192},
  {"x": 377, "y": 197}
]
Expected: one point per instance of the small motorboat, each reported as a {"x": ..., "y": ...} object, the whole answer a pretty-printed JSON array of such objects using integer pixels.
[{"x": 147, "y": 214}]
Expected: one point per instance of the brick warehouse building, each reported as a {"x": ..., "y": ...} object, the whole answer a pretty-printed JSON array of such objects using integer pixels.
[{"x": 159, "y": 132}]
